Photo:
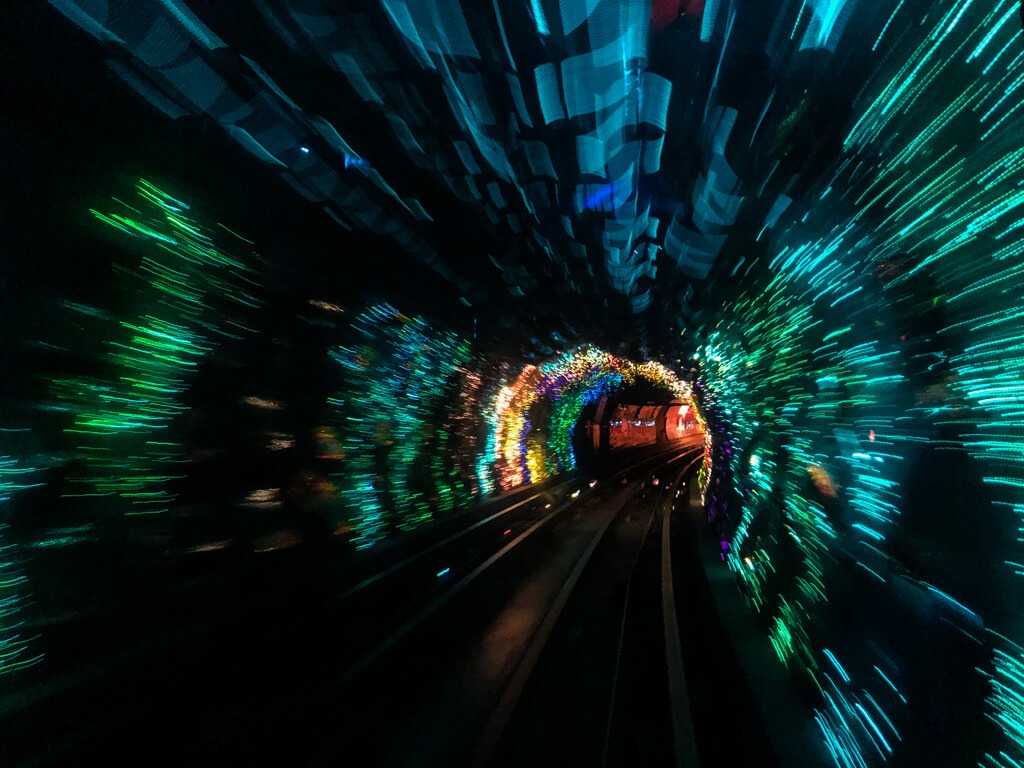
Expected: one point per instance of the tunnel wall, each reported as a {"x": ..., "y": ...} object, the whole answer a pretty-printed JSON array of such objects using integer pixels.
[
  {"x": 863, "y": 395},
  {"x": 864, "y": 502},
  {"x": 865, "y": 469},
  {"x": 203, "y": 398},
  {"x": 177, "y": 409}
]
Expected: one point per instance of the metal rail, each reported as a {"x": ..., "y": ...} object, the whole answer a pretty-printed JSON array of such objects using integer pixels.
[
  {"x": 473, "y": 575},
  {"x": 682, "y": 718},
  {"x": 338, "y": 675},
  {"x": 490, "y": 738}
]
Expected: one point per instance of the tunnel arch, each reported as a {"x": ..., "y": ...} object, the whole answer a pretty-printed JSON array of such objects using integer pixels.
[
  {"x": 566, "y": 384},
  {"x": 854, "y": 194},
  {"x": 427, "y": 424}
]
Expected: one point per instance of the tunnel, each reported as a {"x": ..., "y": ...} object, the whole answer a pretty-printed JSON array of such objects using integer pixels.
[{"x": 512, "y": 382}]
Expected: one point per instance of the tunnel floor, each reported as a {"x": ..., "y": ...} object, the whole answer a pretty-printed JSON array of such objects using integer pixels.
[
  {"x": 554, "y": 653},
  {"x": 269, "y": 665}
]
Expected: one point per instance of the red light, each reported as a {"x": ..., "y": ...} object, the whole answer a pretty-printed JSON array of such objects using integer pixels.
[
  {"x": 506, "y": 533},
  {"x": 871, "y": 435}
]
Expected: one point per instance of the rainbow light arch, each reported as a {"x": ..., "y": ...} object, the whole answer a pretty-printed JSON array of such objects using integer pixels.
[{"x": 561, "y": 388}]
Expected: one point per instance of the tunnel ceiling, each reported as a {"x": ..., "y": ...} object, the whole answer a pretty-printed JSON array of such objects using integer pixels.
[{"x": 616, "y": 166}]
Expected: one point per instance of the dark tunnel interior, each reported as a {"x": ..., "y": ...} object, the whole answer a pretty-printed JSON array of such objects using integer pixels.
[{"x": 512, "y": 382}]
